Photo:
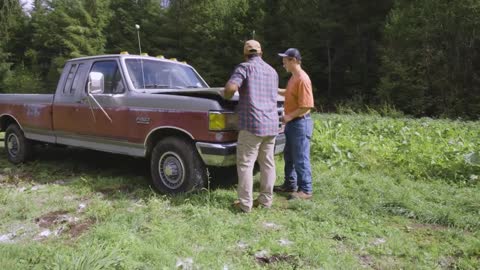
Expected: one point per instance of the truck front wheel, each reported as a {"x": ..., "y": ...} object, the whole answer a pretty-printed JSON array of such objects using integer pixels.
[
  {"x": 176, "y": 167},
  {"x": 18, "y": 147}
]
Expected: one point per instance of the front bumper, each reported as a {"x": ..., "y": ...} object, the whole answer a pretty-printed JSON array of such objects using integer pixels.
[{"x": 224, "y": 154}]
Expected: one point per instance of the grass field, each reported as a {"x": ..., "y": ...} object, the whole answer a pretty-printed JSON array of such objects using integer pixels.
[{"x": 388, "y": 194}]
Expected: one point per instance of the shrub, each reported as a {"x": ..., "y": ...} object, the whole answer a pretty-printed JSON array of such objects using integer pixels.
[{"x": 424, "y": 148}]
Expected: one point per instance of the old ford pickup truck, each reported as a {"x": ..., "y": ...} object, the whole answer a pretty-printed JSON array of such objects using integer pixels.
[{"x": 134, "y": 105}]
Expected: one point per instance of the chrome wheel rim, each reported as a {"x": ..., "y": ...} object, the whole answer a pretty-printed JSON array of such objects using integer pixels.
[
  {"x": 13, "y": 144},
  {"x": 171, "y": 170}
]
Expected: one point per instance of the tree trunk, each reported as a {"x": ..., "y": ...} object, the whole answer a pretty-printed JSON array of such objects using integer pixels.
[{"x": 329, "y": 91}]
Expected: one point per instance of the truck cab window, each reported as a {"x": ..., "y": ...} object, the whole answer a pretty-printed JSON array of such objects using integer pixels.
[
  {"x": 76, "y": 81},
  {"x": 111, "y": 76},
  {"x": 70, "y": 76}
]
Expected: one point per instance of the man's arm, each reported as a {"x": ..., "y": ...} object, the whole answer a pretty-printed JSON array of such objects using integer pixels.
[
  {"x": 281, "y": 92},
  {"x": 235, "y": 81},
  {"x": 230, "y": 89},
  {"x": 300, "y": 111}
]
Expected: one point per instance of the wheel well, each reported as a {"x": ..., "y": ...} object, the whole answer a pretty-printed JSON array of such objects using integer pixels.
[
  {"x": 163, "y": 133},
  {"x": 5, "y": 121}
]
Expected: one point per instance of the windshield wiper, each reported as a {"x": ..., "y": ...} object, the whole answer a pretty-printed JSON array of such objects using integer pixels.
[
  {"x": 186, "y": 87},
  {"x": 156, "y": 86}
]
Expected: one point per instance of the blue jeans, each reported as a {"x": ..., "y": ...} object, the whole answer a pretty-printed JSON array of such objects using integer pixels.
[{"x": 298, "y": 173}]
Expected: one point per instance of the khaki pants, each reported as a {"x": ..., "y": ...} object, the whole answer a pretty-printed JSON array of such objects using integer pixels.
[{"x": 251, "y": 148}]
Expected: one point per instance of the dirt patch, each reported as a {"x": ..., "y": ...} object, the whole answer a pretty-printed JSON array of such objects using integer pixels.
[
  {"x": 276, "y": 258},
  {"x": 52, "y": 219},
  {"x": 15, "y": 176},
  {"x": 338, "y": 237},
  {"x": 59, "y": 222},
  {"x": 366, "y": 261},
  {"x": 447, "y": 262},
  {"x": 79, "y": 228}
]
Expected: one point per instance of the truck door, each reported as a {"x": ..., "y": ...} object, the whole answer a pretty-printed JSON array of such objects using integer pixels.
[{"x": 110, "y": 124}]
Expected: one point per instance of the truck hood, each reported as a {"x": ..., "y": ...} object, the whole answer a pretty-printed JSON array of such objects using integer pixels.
[{"x": 215, "y": 92}]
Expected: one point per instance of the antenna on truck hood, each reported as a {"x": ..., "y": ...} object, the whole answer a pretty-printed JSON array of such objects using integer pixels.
[
  {"x": 140, "y": 49},
  {"x": 138, "y": 38}
]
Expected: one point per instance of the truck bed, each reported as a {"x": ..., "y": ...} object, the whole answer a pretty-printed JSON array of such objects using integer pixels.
[
  {"x": 26, "y": 98},
  {"x": 32, "y": 111}
]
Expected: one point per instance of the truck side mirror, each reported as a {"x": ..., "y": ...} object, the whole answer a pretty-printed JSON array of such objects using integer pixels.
[{"x": 95, "y": 83}]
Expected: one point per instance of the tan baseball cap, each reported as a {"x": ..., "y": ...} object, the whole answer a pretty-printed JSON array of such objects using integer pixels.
[{"x": 251, "y": 46}]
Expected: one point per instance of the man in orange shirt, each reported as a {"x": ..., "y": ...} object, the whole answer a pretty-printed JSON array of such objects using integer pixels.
[{"x": 298, "y": 128}]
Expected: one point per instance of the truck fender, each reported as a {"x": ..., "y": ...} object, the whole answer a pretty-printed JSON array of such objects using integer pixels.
[
  {"x": 159, "y": 133},
  {"x": 8, "y": 119}
]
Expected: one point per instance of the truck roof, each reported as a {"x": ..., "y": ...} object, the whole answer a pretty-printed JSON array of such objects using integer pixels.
[{"x": 125, "y": 56}]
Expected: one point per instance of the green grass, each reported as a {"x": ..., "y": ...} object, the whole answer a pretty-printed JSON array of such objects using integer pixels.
[{"x": 378, "y": 204}]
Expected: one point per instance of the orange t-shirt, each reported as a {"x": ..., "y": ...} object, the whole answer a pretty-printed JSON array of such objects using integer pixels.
[{"x": 298, "y": 93}]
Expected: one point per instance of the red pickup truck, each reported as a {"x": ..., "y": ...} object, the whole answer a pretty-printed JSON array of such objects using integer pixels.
[{"x": 134, "y": 105}]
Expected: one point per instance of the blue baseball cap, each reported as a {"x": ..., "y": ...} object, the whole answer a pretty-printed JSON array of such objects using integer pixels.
[{"x": 292, "y": 53}]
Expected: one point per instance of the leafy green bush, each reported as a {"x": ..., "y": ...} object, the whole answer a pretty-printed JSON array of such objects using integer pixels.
[
  {"x": 23, "y": 80},
  {"x": 423, "y": 148}
]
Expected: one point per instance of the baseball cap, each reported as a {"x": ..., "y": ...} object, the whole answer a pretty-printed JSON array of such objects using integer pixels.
[
  {"x": 292, "y": 52},
  {"x": 251, "y": 46}
]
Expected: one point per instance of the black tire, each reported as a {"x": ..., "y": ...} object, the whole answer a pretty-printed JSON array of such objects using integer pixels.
[
  {"x": 17, "y": 147},
  {"x": 176, "y": 167},
  {"x": 223, "y": 176}
]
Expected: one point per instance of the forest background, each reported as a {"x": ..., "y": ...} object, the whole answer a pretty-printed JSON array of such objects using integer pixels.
[{"x": 414, "y": 57}]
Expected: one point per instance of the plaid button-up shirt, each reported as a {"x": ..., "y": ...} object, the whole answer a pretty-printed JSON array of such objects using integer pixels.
[{"x": 258, "y": 89}]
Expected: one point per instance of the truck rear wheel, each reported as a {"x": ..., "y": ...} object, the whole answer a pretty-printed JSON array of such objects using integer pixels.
[
  {"x": 18, "y": 148},
  {"x": 176, "y": 167}
]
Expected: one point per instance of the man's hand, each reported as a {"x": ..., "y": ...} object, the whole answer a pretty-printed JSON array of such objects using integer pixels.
[
  {"x": 298, "y": 112},
  {"x": 229, "y": 90},
  {"x": 281, "y": 91},
  {"x": 287, "y": 118}
]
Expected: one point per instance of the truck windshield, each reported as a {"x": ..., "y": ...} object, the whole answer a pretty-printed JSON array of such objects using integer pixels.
[{"x": 162, "y": 75}]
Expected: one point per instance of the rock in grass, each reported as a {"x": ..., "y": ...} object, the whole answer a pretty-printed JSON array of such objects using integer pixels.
[
  {"x": 285, "y": 242},
  {"x": 184, "y": 263},
  {"x": 379, "y": 241},
  {"x": 7, "y": 238},
  {"x": 271, "y": 225}
]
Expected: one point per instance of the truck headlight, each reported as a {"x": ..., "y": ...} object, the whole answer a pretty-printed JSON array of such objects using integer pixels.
[{"x": 222, "y": 121}]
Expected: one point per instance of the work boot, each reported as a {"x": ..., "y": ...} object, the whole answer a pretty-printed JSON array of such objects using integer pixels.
[
  {"x": 237, "y": 206},
  {"x": 300, "y": 195},
  {"x": 256, "y": 203},
  {"x": 283, "y": 188}
]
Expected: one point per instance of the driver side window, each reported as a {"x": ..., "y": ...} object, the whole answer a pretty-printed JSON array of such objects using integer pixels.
[{"x": 113, "y": 82}]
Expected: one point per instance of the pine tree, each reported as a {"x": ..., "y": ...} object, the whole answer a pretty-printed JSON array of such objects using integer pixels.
[
  {"x": 11, "y": 23},
  {"x": 430, "y": 58},
  {"x": 65, "y": 29}
]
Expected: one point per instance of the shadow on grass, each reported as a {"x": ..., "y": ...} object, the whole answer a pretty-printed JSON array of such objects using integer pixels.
[{"x": 110, "y": 174}]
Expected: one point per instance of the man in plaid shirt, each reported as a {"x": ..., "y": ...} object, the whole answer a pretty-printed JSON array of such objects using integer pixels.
[{"x": 257, "y": 84}]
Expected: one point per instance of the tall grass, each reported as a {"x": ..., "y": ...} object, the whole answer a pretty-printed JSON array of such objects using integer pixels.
[{"x": 424, "y": 149}]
